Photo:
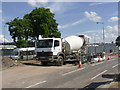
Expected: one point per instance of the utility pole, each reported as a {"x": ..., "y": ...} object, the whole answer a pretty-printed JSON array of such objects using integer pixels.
[
  {"x": 95, "y": 43},
  {"x": 103, "y": 34}
]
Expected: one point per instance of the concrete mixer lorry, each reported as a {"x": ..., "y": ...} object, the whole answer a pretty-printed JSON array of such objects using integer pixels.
[{"x": 59, "y": 50}]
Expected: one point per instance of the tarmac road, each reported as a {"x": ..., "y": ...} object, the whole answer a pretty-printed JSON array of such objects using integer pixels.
[{"x": 67, "y": 76}]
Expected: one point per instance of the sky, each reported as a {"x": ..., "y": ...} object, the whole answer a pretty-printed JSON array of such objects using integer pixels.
[{"x": 74, "y": 18}]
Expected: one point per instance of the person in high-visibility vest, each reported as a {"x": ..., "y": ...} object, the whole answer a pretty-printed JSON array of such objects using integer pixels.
[{"x": 99, "y": 56}]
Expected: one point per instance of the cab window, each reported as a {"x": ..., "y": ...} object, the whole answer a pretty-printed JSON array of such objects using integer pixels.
[{"x": 56, "y": 43}]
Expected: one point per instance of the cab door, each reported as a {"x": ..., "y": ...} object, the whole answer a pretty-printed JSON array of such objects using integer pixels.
[{"x": 57, "y": 47}]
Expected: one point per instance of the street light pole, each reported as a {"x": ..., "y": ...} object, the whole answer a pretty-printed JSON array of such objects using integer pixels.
[{"x": 103, "y": 33}]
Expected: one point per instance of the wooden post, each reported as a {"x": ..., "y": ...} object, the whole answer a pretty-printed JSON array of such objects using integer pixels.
[{"x": 27, "y": 54}]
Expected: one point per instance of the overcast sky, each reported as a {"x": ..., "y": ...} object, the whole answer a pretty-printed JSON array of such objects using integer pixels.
[{"x": 74, "y": 18}]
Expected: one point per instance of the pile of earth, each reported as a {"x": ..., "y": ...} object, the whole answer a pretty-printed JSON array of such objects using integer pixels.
[{"x": 7, "y": 62}]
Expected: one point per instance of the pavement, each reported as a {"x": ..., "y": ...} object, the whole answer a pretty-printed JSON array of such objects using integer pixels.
[{"x": 95, "y": 75}]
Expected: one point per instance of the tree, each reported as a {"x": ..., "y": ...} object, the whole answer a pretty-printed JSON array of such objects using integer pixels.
[
  {"x": 43, "y": 23},
  {"x": 16, "y": 29},
  {"x": 19, "y": 30},
  {"x": 39, "y": 22},
  {"x": 118, "y": 41},
  {"x": 21, "y": 44},
  {"x": 28, "y": 30}
]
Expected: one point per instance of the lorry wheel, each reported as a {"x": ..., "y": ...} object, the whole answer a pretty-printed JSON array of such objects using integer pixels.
[
  {"x": 44, "y": 63},
  {"x": 60, "y": 61}
]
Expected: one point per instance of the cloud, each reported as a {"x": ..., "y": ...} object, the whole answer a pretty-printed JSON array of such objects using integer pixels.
[
  {"x": 79, "y": 21},
  {"x": 113, "y": 19},
  {"x": 93, "y": 4},
  {"x": 63, "y": 26},
  {"x": 2, "y": 39},
  {"x": 110, "y": 33},
  {"x": 56, "y": 7},
  {"x": 87, "y": 36},
  {"x": 90, "y": 31},
  {"x": 112, "y": 29},
  {"x": 72, "y": 24},
  {"x": 37, "y": 3},
  {"x": 93, "y": 35},
  {"x": 32, "y": 3},
  {"x": 109, "y": 37},
  {"x": 88, "y": 39},
  {"x": 98, "y": 3},
  {"x": 115, "y": 27},
  {"x": 92, "y": 16},
  {"x": 96, "y": 36}
]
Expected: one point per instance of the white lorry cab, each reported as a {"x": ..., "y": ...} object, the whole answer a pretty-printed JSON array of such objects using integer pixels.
[
  {"x": 23, "y": 53},
  {"x": 58, "y": 50}
]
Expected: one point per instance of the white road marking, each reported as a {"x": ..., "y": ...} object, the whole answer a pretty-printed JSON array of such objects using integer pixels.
[
  {"x": 36, "y": 84},
  {"x": 98, "y": 74},
  {"x": 96, "y": 64},
  {"x": 73, "y": 71},
  {"x": 115, "y": 66},
  {"x": 111, "y": 60}
]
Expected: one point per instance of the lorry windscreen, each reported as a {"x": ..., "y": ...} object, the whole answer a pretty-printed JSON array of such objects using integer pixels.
[{"x": 45, "y": 43}]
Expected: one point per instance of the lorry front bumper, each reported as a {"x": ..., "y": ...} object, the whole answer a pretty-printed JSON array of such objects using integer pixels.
[{"x": 46, "y": 58}]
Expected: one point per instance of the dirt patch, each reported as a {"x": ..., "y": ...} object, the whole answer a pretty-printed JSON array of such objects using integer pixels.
[{"x": 7, "y": 62}]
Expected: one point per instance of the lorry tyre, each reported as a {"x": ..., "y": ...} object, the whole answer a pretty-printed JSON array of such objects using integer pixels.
[
  {"x": 60, "y": 61},
  {"x": 44, "y": 63}
]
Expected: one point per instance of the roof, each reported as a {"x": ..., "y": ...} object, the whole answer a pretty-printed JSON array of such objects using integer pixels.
[
  {"x": 50, "y": 38},
  {"x": 25, "y": 49},
  {"x": 7, "y": 46}
]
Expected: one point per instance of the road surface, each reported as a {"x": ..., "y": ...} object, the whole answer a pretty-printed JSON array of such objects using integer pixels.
[{"x": 66, "y": 76}]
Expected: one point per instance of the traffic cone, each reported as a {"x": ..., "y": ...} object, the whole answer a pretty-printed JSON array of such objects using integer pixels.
[
  {"x": 99, "y": 60},
  {"x": 108, "y": 58},
  {"x": 80, "y": 64}
]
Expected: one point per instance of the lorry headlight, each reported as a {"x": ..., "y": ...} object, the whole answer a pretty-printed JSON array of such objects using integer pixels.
[{"x": 51, "y": 53}]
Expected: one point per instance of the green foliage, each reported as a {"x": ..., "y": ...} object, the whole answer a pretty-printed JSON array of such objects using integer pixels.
[
  {"x": 38, "y": 22},
  {"x": 16, "y": 30},
  {"x": 118, "y": 41},
  {"x": 43, "y": 23},
  {"x": 21, "y": 44}
]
